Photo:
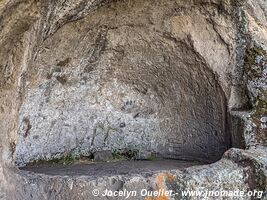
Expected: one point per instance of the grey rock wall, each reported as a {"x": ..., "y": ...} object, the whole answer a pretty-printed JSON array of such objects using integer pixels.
[
  {"x": 108, "y": 81},
  {"x": 164, "y": 76}
]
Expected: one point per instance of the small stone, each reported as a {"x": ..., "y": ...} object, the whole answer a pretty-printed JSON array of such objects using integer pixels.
[
  {"x": 102, "y": 156},
  {"x": 122, "y": 125},
  {"x": 264, "y": 119},
  {"x": 116, "y": 185}
]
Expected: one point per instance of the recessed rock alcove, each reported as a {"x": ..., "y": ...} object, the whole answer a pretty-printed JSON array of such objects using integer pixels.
[
  {"x": 116, "y": 81},
  {"x": 131, "y": 95}
]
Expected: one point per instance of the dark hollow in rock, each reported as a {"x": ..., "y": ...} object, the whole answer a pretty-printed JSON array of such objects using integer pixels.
[{"x": 148, "y": 90}]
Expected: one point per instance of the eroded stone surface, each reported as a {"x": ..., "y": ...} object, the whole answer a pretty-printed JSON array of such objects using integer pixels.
[
  {"x": 131, "y": 68},
  {"x": 216, "y": 33},
  {"x": 223, "y": 175}
]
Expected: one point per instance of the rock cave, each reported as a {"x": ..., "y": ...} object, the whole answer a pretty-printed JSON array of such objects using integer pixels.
[{"x": 132, "y": 94}]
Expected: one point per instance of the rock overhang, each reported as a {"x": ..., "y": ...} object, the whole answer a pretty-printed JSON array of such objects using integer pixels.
[
  {"x": 216, "y": 18},
  {"x": 129, "y": 67}
]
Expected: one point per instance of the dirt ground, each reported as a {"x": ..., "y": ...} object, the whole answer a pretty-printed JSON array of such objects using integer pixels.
[{"x": 110, "y": 168}]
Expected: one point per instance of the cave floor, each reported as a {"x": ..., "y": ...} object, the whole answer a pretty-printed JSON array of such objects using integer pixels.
[{"x": 111, "y": 168}]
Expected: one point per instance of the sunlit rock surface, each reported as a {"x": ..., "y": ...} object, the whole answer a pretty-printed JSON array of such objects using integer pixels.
[{"x": 176, "y": 79}]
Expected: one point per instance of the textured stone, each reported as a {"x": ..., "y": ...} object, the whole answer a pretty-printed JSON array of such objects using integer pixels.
[
  {"x": 91, "y": 76},
  {"x": 102, "y": 156},
  {"x": 172, "y": 78}
]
